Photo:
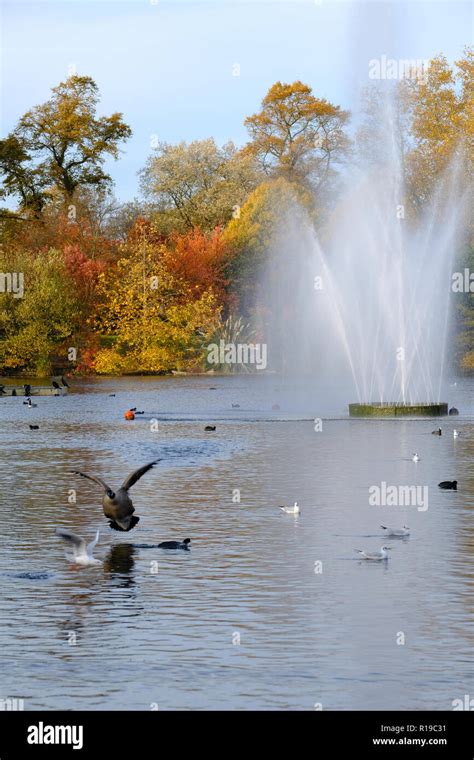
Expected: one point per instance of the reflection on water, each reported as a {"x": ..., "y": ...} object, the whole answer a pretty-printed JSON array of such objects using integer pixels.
[{"x": 247, "y": 618}]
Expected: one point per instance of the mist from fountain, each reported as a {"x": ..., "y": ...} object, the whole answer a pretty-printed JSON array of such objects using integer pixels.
[{"x": 368, "y": 308}]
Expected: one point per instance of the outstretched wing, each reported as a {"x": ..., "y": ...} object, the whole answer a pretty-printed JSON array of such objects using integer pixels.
[
  {"x": 76, "y": 542},
  {"x": 94, "y": 479},
  {"x": 132, "y": 479},
  {"x": 90, "y": 547}
]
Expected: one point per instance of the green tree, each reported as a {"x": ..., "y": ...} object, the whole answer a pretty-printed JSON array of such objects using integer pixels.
[{"x": 61, "y": 145}]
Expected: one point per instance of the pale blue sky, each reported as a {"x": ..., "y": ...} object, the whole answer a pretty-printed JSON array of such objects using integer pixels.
[{"x": 168, "y": 66}]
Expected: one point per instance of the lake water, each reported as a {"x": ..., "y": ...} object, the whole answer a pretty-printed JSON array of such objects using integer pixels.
[{"x": 245, "y": 620}]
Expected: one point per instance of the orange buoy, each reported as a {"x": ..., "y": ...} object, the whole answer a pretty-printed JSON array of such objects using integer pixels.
[{"x": 129, "y": 415}]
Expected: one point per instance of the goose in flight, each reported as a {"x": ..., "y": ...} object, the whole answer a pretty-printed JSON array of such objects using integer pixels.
[
  {"x": 81, "y": 553},
  {"x": 117, "y": 505}
]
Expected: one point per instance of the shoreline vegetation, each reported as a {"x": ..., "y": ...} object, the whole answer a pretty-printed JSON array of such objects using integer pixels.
[{"x": 93, "y": 287}]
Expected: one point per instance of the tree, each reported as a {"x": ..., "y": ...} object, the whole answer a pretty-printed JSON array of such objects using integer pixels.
[
  {"x": 20, "y": 178},
  {"x": 39, "y": 323},
  {"x": 150, "y": 321},
  {"x": 441, "y": 108},
  {"x": 199, "y": 259},
  {"x": 267, "y": 220},
  {"x": 60, "y": 146},
  {"x": 197, "y": 184},
  {"x": 297, "y": 136}
]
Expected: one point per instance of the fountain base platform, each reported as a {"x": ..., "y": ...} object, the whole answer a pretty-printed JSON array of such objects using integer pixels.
[{"x": 397, "y": 409}]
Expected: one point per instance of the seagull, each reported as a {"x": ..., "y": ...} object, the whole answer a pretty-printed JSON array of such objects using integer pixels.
[
  {"x": 415, "y": 458},
  {"x": 455, "y": 434},
  {"x": 118, "y": 505},
  {"x": 176, "y": 545},
  {"x": 294, "y": 510},
  {"x": 81, "y": 554},
  {"x": 382, "y": 554},
  {"x": 405, "y": 531}
]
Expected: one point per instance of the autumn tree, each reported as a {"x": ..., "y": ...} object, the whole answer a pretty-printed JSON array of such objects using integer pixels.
[
  {"x": 150, "y": 320},
  {"x": 199, "y": 259},
  {"x": 197, "y": 184},
  {"x": 267, "y": 219},
  {"x": 44, "y": 320},
  {"x": 298, "y": 136},
  {"x": 60, "y": 146}
]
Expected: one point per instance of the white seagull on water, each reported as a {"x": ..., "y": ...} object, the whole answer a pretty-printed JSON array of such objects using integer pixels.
[
  {"x": 415, "y": 458},
  {"x": 294, "y": 510},
  {"x": 81, "y": 553},
  {"x": 382, "y": 554},
  {"x": 405, "y": 531}
]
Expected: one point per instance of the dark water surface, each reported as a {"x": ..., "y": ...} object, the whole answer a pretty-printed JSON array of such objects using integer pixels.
[{"x": 171, "y": 638}]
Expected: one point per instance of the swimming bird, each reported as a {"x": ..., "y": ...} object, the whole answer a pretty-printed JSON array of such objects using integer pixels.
[
  {"x": 455, "y": 434},
  {"x": 448, "y": 485},
  {"x": 81, "y": 553},
  {"x": 111, "y": 395},
  {"x": 34, "y": 427},
  {"x": 209, "y": 428},
  {"x": 184, "y": 545},
  {"x": 235, "y": 406},
  {"x": 118, "y": 506},
  {"x": 415, "y": 458},
  {"x": 453, "y": 411},
  {"x": 436, "y": 432},
  {"x": 30, "y": 404},
  {"x": 405, "y": 531},
  {"x": 382, "y": 554},
  {"x": 294, "y": 510}
]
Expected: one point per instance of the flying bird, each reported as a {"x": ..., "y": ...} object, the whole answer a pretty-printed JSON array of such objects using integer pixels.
[
  {"x": 117, "y": 505},
  {"x": 81, "y": 554}
]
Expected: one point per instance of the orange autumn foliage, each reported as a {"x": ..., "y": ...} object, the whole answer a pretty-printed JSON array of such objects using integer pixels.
[{"x": 199, "y": 259}]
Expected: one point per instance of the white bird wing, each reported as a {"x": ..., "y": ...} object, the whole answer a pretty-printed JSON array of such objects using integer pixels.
[
  {"x": 90, "y": 547},
  {"x": 77, "y": 543}
]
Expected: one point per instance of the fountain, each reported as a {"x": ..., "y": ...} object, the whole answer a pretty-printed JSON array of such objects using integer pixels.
[{"x": 373, "y": 298}]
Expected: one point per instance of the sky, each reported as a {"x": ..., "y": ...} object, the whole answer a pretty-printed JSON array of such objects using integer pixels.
[{"x": 170, "y": 67}]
